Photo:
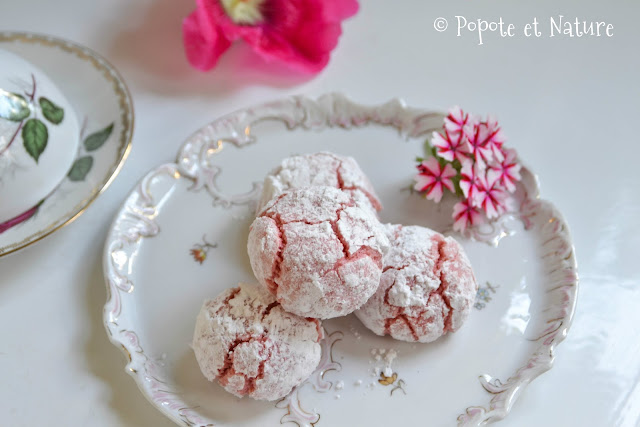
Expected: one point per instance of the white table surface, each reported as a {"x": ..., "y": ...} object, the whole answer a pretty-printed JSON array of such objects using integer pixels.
[{"x": 569, "y": 106}]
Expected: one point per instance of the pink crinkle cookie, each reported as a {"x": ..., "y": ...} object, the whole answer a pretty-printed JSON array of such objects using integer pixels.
[
  {"x": 426, "y": 290},
  {"x": 245, "y": 340},
  {"x": 317, "y": 251},
  {"x": 320, "y": 169}
]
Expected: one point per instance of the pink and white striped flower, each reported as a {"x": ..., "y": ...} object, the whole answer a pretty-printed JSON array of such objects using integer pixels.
[
  {"x": 507, "y": 171},
  {"x": 457, "y": 119},
  {"x": 496, "y": 138},
  {"x": 485, "y": 171},
  {"x": 465, "y": 215},
  {"x": 479, "y": 137},
  {"x": 469, "y": 179},
  {"x": 432, "y": 178},
  {"x": 451, "y": 145},
  {"x": 490, "y": 196}
]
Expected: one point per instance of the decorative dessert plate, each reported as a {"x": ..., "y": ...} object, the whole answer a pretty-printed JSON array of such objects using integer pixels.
[
  {"x": 101, "y": 103},
  {"x": 181, "y": 235}
]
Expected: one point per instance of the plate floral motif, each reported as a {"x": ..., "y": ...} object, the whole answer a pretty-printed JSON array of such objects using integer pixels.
[
  {"x": 83, "y": 76},
  {"x": 199, "y": 251},
  {"x": 219, "y": 194},
  {"x": 484, "y": 295}
]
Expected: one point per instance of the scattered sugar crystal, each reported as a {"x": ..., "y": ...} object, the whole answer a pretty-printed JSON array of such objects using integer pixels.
[
  {"x": 355, "y": 332},
  {"x": 390, "y": 357},
  {"x": 358, "y": 383},
  {"x": 340, "y": 385}
]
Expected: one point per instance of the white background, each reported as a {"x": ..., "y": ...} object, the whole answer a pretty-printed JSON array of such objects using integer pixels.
[{"x": 569, "y": 106}]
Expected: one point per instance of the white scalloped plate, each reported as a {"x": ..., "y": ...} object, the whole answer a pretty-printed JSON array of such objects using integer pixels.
[{"x": 201, "y": 207}]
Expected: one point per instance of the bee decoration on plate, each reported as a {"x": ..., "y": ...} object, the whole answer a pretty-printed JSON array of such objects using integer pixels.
[{"x": 390, "y": 380}]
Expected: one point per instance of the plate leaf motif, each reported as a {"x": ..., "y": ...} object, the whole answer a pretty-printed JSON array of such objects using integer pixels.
[
  {"x": 51, "y": 111},
  {"x": 35, "y": 137},
  {"x": 97, "y": 139},
  {"x": 80, "y": 168}
]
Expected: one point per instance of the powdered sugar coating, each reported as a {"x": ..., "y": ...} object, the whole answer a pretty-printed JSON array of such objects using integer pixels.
[
  {"x": 317, "y": 251},
  {"x": 426, "y": 290},
  {"x": 247, "y": 342},
  {"x": 320, "y": 169}
]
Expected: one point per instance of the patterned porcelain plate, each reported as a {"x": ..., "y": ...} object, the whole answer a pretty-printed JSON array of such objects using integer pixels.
[
  {"x": 105, "y": 113},
  {"x": 180, "y": 237}
]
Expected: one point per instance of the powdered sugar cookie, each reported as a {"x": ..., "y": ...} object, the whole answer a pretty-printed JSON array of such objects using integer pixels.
[
  {"x": 252, "y": 347},
  {"x": 317, "y": 252},
  {"x": 320, "y": 169},
  {"x": 426, "y": 290}
]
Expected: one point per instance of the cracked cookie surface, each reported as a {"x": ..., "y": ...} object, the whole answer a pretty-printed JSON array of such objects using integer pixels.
[
  {"x": 246, "y": 341},
  {"x": 320, "y": 169},
  {"x": 317, "y": 251},
  {"x": 426, "y": 290}
]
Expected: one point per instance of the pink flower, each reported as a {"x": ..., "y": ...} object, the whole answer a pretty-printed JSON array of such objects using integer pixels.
[
  {"x": 507, "y": 172},
  {"x": 496, "y": 138},
  {"x": 479, "y": 136},
  {"x": 465, "y": 215},
  {"x": 485, "y": 171},
  {"x": 490, "y": 196},
  {"x": 451, "y": 145},
  {"x": 432, "y": 178},
  {"x": 469, "y": 180},
  {"x": 457, "y": 120},
  {"x": 300, "y": 33}
]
